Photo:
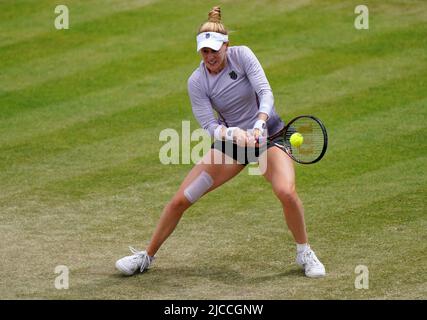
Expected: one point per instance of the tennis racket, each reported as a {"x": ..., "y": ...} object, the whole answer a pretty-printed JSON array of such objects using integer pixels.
[{"x": 305, "y": 139}]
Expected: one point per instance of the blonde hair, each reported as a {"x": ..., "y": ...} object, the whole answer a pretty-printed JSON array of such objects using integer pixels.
[{"x": 214, "y": 22}]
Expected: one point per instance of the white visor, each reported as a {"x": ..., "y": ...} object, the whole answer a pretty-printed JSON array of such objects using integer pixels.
[{"x": 213, "y": 40}]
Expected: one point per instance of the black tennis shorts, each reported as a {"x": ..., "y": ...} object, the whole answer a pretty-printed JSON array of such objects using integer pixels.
[{"x": 244, "y": 155}]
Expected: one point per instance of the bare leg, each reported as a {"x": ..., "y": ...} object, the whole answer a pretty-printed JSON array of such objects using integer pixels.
[
  {"x": 173, "y": 211},
  {"x": 281, "y": 174}
]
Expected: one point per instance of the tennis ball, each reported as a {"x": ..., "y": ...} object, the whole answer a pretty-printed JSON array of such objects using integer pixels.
[{"x": 296, "y": 139}]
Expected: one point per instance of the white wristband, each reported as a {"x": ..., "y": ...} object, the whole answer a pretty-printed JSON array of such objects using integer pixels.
[
  {"x": 260, "y": 125},
  {"x": 229, "y": 134}
]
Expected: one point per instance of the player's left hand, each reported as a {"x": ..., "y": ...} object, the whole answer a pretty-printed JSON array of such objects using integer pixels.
[{"x": 252, "y": 138}]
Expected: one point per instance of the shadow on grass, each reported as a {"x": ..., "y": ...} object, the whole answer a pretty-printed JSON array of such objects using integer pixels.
[
  {"x": 220, "y": 275},
  {"x": 291, "y": 273},
  {"x": 173, "y": 274},
  {"x": 163, "y": 282}
]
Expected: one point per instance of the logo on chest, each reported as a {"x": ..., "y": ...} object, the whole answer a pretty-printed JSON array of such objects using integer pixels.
[{"x": 233, "y": 75}]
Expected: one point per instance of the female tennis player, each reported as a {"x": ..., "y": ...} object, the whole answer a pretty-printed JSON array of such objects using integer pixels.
[{"x": 231, "y": 82}]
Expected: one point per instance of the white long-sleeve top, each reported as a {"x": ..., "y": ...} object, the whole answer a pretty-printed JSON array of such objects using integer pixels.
[{"x": 237, "y": 94}]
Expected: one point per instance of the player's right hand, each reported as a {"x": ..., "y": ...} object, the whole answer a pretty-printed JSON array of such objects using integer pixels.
[{"x": 240, "y": 137}]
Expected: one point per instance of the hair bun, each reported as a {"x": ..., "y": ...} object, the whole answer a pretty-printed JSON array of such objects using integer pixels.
[{"x": 215, "y": 15}]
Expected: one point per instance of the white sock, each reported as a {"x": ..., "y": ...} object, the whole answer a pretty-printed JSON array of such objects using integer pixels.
[{"x": 302, "y": 247}]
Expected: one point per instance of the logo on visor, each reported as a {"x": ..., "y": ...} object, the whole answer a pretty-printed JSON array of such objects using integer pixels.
[
  {"x": 208, "y": 35},
  {"x": 233, "y": 75}
]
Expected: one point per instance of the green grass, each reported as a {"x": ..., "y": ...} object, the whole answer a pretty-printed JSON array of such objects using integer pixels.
[{"x": 80, "y": 177}]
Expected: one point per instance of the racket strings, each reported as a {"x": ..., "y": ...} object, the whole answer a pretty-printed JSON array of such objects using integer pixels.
[{"x": 313, "y": 143}]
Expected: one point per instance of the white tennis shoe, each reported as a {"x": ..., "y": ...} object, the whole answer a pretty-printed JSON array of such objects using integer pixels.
[
  {"x": 310, "y": 263},
  {"x": 130, "y": 264}
]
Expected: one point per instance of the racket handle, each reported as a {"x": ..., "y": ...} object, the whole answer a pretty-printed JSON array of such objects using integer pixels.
[{"x": 261, "y": 139}]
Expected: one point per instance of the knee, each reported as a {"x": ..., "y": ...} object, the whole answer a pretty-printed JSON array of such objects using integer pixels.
[
  {"x": 286, "y": 192},
  {"x": 197, "y": 188},
  {"x": 179, "y": 203}
]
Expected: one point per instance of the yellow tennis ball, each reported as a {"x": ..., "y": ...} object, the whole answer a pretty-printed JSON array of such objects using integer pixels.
[{"x": 296, "y": 139}]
